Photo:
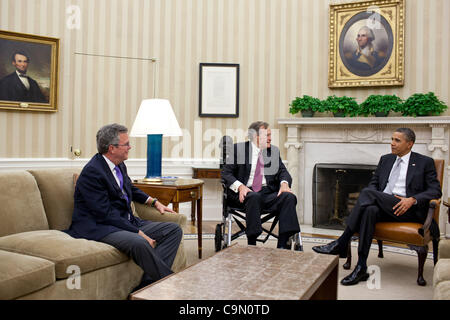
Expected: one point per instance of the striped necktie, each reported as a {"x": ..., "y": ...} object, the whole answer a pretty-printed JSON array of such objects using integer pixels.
[
  {"x": 395, "y": 173},
  {"x": 120, "y": 176}
]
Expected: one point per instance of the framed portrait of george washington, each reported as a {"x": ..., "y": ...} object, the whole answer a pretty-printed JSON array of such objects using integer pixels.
[
  {"x": 28, "y": 72},
  {"x": 366, "y": 44}
]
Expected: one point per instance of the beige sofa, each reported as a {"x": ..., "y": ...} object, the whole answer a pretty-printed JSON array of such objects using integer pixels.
[
  {"x": 38, "y": 261},
  {"x": 441, "y": 275}
]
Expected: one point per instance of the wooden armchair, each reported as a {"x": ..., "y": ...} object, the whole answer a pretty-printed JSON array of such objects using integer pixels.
[{"x": 415, "y": 235}]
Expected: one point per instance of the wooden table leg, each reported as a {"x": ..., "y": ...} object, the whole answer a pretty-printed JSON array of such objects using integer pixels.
[
  {"x": 176, "y": 207},
  {"x": 193, "y": 212},
  {"x": 199, "y": 226}
]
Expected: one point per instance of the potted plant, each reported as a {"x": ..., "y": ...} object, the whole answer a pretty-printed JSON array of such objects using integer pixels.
[
  {"x": 341, "y": 106},
  {"x": 380, "y": 105},
  {"x": 423, "y": 104},
  {"x": 307, "y": 105}
]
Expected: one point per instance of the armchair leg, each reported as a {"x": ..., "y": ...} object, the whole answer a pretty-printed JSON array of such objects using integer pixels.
[
  {"x": 435, "y": 250},
  {"x": 348, "y": 264},
  {"x": 422, "y": 256},
  {"x": 380, "y": 249}
]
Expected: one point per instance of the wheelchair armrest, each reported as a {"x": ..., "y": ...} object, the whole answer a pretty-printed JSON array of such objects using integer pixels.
[
  {"x": 426, "y": 225},
  {"x": 445, "y": 203}
]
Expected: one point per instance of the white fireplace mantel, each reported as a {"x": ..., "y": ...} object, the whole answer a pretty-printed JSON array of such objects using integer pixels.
[{"x": 358, "y": 140}]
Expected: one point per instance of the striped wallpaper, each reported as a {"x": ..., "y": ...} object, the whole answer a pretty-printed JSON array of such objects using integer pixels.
[{"x": 105, "y": 67}]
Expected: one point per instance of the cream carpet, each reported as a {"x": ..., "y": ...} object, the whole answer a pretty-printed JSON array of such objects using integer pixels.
[{"x": 394, "y": 276}]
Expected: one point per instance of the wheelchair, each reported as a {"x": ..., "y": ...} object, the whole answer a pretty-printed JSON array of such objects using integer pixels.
[{"x": 223, "y": 232}]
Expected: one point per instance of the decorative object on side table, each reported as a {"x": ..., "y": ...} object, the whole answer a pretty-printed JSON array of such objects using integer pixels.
[
  {"x": 380, "y": 105},
  {"x": 423, "y": 104},
  {"x": 307, "y": 105},
  {"x": 155, "y": 119}
]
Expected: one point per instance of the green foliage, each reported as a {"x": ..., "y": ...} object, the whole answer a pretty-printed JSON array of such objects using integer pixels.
[
  {"x": 345, "y": 105},
  {"x": 418, "y": 104},
  {"x": 421, "y": 104},
  {"x": 380, "y": 103},
  {"x": 305, "y": 103}
]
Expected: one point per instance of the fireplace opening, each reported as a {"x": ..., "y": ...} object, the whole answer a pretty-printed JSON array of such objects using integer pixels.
[{"x": 336, "y": 188}]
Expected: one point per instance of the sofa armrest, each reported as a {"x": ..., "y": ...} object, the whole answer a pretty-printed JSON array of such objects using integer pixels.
[
  {"x": 444, "y": 249},
  {"x": 149, "y": 213}
]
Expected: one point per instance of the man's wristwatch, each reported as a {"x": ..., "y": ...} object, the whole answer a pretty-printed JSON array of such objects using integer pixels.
[{"x": 153, "y": 202}]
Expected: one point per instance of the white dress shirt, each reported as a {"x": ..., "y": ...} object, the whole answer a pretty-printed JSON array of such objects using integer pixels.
[
  {"x": 400, "y": 185},
  {"x": 111, "y": 167},
  {"x": 255, "y": 152},
  {"x": 24, "y": 80}
]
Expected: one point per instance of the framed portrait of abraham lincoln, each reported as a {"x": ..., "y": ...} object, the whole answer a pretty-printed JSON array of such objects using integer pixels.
[
  {"x": 28, "y": 72},
  {"x": 366, "y": 46}
]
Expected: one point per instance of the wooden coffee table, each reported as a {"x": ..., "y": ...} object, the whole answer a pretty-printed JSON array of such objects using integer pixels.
[{"x": 249, "y": 273}]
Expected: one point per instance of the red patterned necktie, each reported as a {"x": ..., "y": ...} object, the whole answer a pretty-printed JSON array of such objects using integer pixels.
[{"x": 257, "y": 180}]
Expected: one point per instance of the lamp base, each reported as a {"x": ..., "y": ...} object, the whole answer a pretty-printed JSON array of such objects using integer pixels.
[{"x": 152, "y": 180}]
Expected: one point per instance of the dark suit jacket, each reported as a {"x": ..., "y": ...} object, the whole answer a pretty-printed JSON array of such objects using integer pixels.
[
  {"x": 240, "y": 166},
  {"x": 100, "y": 207},
  {"x": 421, "y": 179},
  {"x": 12, "y": 89}
]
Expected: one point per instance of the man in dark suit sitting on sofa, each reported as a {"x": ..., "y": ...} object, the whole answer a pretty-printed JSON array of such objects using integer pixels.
[
  {"x": 400, "y": 190},
  {"x": 257, "y": 179},
  {"x": 102, "y": 209}
]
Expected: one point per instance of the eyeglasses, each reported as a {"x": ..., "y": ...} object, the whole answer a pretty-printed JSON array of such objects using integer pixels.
[{"x": 122, "y": 145}]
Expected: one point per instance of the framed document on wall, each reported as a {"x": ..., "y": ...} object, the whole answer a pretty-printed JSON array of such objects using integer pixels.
[
  {"x": 366, "y": 44},
  {"x": 219, "y": 90},
  {"x": 28, "y": 72}
]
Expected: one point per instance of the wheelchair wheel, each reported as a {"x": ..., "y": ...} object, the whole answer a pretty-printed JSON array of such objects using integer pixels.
[{"x": 218, "y": 237}]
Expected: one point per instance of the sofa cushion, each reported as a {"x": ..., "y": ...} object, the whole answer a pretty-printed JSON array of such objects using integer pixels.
[
  {"x": 21, "y": 204},
  {"x": 442, "y": 291},
  {"x": 21, "y": 274},
  {"x": 63, "y": 250},
  {"x": 57, "y": 189},
  {"x": 441, "y": 271}
]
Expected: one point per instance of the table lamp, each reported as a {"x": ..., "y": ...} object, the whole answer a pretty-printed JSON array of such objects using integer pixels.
[{"x": 155, "y": 119}]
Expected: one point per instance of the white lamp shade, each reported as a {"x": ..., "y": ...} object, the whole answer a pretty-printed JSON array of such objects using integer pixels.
[{"x": 155, "y": 116}]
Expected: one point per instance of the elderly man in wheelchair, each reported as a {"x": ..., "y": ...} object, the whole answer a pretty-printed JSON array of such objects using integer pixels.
[{"x": 257, "y": 189}]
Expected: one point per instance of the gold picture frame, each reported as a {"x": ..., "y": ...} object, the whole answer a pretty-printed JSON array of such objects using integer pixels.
[
  {"x": 28, "y": 72},
  {"x": 366, "y": 44}
]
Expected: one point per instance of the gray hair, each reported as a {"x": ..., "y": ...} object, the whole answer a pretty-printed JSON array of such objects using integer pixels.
[
  {"x": 369, "y": 32},
  {"x": 109, "y": 135},
  {"x": 253, "y": 129},
  {"x": 408, "y": 133}
]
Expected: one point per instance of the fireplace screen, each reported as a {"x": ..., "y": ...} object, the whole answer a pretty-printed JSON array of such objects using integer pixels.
[{"x": 336, "y": 188}]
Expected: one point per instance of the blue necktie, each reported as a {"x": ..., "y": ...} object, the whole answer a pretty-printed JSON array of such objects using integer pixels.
[{"x": 120, "y": 176}]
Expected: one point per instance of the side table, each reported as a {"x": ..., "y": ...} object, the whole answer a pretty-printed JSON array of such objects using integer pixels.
[
  {"x": 175, "y": 192},
  {"x": 205, "y": 173}
]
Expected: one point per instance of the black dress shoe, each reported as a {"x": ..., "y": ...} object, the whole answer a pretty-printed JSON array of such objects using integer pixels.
[
  {"x": 359, "y": 274},
  {"x": 331, "y": 248}
]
